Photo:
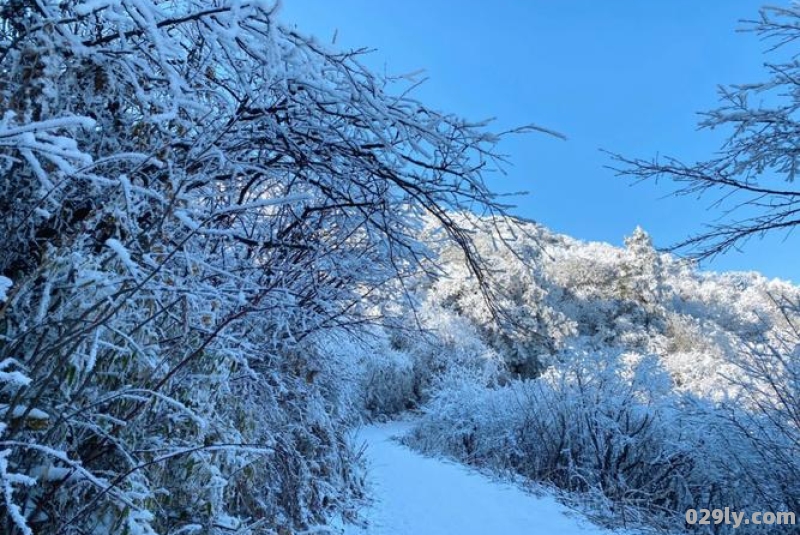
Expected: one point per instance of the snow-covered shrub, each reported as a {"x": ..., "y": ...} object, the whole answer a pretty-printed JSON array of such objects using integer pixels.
[
  {"x": 449, "y": 345},
  {"x": 766, "y": 414},
  {"x": 379, "y": 379},
  {"x": 521, "y": 322},
  {"x": 193, "y": 195},
  {"x": 696, "y": 353},
  {"x": 606, "y": 428},
  {"x": 403, "y": 364},
  {"x": 614, "y": 296},
  {"x": 388, "y": 382},
  {"x": 13, "y": 381}
]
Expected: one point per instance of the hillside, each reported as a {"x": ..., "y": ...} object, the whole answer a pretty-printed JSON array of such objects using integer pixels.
[
  {"x": 628, "y": 377},
  {"x": 224, "y": 246}
]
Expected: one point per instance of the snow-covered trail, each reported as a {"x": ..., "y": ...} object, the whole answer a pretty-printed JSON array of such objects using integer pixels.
[{"x": 416, "y": 495}]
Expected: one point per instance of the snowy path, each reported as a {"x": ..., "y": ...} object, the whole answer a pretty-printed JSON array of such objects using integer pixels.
[{"x": 416, "y": 495}]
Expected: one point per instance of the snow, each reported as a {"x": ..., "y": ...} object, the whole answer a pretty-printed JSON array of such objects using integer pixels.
[
  {"x": 20, "y": 410},
  {"x": 50, "y": 473},
  {"x": 92, "y": 6},
  {"x": 7, "y": 482},
  {"x": 51, "y": 124},
  {"x": 416, "y": 495},
  {"x": 16, "y": 378},
  {"x": 123, "y": 255}
]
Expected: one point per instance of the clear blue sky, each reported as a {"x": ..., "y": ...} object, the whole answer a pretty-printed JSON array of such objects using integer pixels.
[{"x": 626, "y": 76}]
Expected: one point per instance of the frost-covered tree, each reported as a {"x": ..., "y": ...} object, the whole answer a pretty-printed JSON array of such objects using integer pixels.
[
  {"x": 193, "y": 196},
  {"x": 753, "y": 174},
  {"x": 642, "y": 276}
]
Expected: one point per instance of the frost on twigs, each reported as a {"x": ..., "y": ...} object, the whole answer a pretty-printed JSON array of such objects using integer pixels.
[
  {"x": 5, "y": 285},
  {"x": 9, "y": 480},
  {"x": 194, "y": 199}
]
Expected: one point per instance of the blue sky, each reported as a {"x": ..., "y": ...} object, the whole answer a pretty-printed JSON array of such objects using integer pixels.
[{"x": 627, "y": 76}]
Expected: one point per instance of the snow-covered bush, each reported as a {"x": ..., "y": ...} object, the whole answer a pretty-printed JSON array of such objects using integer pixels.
[
  {"x": 606, "y": 428},
  {"x": 767, "y": 414},
  {"x": 521, "y": 321},
  {"x": 403, "y": 364},
  {"x": 371, "y": 378},
  {"x": 615, "y": 296},
  {"x": 194, "y": 196},
  {"x": 449, "y": 345}
]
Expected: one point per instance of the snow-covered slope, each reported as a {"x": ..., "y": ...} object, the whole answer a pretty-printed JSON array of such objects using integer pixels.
[{"x": 416, "y": 495}]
